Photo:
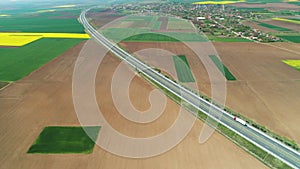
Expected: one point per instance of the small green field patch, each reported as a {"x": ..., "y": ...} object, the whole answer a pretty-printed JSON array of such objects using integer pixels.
[
  {"x": 224, "y": 70},
  {"x": 175, "y": 23},
  {"x": 183, "y": 69},
  {"x": 156, "y": 25},
  {"x": 295, "y": 39},
  {"x": 150, "y": 37},
  {"x": 277, "y": 28},
  {"x": 295, "y": 3},
  {"x": 65, "y": 140},
  {"x": 295, "y": 19}
]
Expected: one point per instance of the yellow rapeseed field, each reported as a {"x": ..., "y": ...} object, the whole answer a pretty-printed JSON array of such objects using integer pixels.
[
  {"x": 6, "y": 40},
  {"x": 21, "y": 39},
  {"x": 293, "y": 63},
  {"x": 286, "y": 20}
]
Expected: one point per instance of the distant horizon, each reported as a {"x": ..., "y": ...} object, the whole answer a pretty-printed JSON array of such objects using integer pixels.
[{"x": 45, "y": 1}]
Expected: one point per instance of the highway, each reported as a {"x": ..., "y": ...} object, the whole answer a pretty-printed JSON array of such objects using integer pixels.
[{"x": 286, "y": 154}]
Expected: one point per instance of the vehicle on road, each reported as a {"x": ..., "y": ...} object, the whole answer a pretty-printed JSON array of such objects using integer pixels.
[{"x": 240, "y": 121}]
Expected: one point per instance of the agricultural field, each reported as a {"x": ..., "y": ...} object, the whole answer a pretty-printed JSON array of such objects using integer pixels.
[
  {"x": 182, "y": 67},
  {"x": 293, "y": 63},
  {"x": 277, "y": 28},
  {"x": 223, "y": 69},
  {"x": 291, "y": 38},
  {"x": 164, "y": 37},
  {"x": 141, "y": 21},
  {"x": 51, "y": 22},
  {"x": 150, "y": 37},
  {"x": 276, "y": 5},
  {"x": 149, "y": 28},
  {"x": 174, "y": 23},
  {"x": 7, "y": 40},
  {"x": 40, "y": 126},
  {"x": 292, "y": 20},
  {"x": 50, "y": 88},
  {"x": 295, "y": 3},
  {"x": 285, "y": 25},
  {"x": 16, "y": 63},
  {"x": 21, "y": 39},
  {"x": 259, "y": 73},
  {"x": 31, "y": 36},
  {"x": 255, "y": 72},
  {"x": 156, "y": 25},
  {"x": 65, "y": 140},
  {"x": 217, "y": 2},
  {"x": 226, "y": 39}
]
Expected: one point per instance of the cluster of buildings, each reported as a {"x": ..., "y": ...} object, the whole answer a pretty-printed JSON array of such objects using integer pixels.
[{"x": 214, "y": 20}]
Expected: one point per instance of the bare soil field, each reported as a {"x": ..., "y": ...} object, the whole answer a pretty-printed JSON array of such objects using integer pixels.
[
  {"x": 267, "y": 5},
  {"x": 164, "y": 23},
  {"x": 266, "y": 89},
  {"x": 288, "y": 25},
  {"x": 255, "y": 25},
  {"x": 99, "y": 19},
  {"x": 44, "y": 98},
  {"x": 288, "y": 45}
]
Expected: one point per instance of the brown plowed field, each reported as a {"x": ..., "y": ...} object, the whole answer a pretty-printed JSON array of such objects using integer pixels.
[
  {"x": 255, "y": 25},
  {"x": 100, "y": 19},
  {"x": 44, "y": 98},
  {"x": 288, "y": 25},
  {"x": 266, "y": 90},
  {"x": 276, "y": 6}
]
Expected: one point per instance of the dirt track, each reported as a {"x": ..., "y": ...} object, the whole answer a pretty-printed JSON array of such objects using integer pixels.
[{"x": 44, "y": 98}]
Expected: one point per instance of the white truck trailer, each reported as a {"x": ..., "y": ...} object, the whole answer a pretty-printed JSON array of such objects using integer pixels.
[{"x": 240, "y": 121}]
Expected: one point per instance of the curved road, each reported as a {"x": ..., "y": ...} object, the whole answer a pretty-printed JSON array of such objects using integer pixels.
[{"x": 272, "y": 146}]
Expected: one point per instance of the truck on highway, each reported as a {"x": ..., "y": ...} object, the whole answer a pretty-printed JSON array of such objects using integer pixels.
[{"x": 240, "y": 121}]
